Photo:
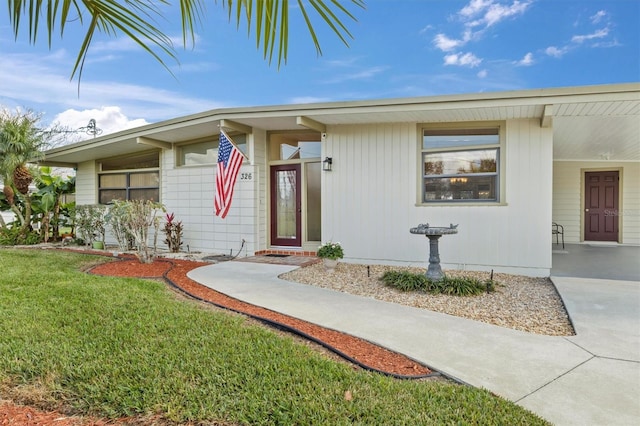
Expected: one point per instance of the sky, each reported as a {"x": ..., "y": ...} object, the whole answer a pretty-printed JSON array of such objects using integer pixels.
[{"x": 400, "y": 48}]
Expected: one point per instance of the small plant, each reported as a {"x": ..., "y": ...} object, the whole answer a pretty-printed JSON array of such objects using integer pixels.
[
  {"x": 459, "y": 286},
  {"x": 12, "y": 235},
  {"x": 454, "y": 286},
  {"x": 173, "y": 231},
  {"x": 330, "y": 251},
  {"x": 405, "y": 281}
]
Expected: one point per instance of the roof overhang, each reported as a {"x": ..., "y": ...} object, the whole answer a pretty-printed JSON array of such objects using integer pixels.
[{"x": 589, "y": 122}]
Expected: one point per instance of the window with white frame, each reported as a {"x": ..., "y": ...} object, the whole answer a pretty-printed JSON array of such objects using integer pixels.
[
  {"x": 461, "y": 165},
  {"x": 129, "y": 178},
  {"x": 206, "y": 152}
]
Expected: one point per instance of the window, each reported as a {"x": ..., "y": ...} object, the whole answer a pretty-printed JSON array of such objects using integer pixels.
[
  {"x": 460, "y": 165},
  {"x": 206, "y": 152},
  {"x": 130, "y": 178}
]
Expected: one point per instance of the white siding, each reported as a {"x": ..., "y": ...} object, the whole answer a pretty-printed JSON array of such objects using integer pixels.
[
  {"x": 86, "y": 183},
  {"x": 370, "y": 202},
  {"x": 568, "y": 197}
]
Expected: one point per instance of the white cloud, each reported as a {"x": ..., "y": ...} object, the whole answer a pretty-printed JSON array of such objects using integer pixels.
[
  {"x": 475, "y": 7},
  {"x": 466, "y": 60},
  {"x": 498, "y": 12},
  {"x": 556, "y": 52},
  {"x": 602, "y": 33},
  {"x": 108, "y": 119},
  {"x": 445, "y": 43},
  {"x": 487, "y": 13},
  {"x": 483, "y": 74},
  {"x": 526, "y": 61},
  {"x": 598, "y": 17},
  {"x": 476, "y": 17}
]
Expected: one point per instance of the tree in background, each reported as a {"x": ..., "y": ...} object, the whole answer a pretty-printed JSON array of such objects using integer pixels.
[
  {"x": 22, "y": 141},
  {"x": 136, "y": 19}
]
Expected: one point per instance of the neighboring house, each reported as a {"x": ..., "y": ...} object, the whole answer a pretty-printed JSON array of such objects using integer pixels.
[{"x": 503, "y": 166}]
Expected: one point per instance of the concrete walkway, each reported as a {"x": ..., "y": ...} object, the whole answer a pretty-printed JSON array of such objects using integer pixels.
[{"x": 592, "y": 378}]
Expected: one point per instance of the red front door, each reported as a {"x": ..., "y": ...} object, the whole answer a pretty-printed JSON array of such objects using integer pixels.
[
  {"x": 286, "y": 205},
  {"x": 601, "y": 206}
]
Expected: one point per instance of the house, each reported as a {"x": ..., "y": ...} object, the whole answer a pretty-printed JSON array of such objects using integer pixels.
[{"x": 502, "y": 166}]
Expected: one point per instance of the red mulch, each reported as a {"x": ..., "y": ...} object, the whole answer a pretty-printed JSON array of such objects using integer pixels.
[{"x": 367, "y": 354}]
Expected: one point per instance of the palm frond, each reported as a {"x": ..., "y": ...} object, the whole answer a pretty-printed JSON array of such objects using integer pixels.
[{"x": 271, "y": 21}]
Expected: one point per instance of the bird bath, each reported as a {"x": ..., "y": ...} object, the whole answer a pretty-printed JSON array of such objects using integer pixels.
[{"x": 434, "y": 272}]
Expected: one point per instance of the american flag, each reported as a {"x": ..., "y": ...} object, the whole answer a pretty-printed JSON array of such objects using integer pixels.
[{"x": 229, "y": 162}]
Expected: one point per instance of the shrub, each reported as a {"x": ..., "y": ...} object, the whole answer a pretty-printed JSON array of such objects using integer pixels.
[
  {"x": 458, "y": 286},
  {"x": 138, "y": 217},
  {"x": 91, "y": 222},
  {"x": 405, "y": 281},
  {"x": 330, "y": 251},
  {"x": 117, "y": 219},
  {"x": 14, "y": 235},
  {"x": 454, "y": 286}
]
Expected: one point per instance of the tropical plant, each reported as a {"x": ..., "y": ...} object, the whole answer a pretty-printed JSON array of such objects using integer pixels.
[
  {"x": 12, "y": 235},
  {"x": 137, "y": 20},
  {"x": 51, "y": 188},
  {"x": 173, "y": 231},
  {"x": 330, "y": 250},
  {"x": 21, "y": 142}
]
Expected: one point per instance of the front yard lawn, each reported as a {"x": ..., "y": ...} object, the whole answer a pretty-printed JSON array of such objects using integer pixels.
[{"x": 114, "y": 347}]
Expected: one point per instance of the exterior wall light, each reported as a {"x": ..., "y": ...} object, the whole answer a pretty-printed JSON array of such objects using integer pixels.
[{"x": 326, "y": 164}]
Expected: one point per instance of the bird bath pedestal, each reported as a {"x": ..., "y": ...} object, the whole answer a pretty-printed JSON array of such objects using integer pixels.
[{"x": 434, "y": 272}]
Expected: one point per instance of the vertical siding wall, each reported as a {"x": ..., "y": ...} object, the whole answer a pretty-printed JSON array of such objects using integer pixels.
[
  {"x": 568, "y": 197},
  {"x": 370, "y": 202},
  {"x": 86, "y": 183}
]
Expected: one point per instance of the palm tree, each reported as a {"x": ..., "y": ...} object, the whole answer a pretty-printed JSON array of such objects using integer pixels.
[
  {"x": 21, "y": 142},
  {"x": 135, "y": 19}
]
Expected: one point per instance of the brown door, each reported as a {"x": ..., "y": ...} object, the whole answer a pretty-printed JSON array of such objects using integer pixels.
[
  {"x": 286, "y": 205},
  {"x": 601, "y": 206}
]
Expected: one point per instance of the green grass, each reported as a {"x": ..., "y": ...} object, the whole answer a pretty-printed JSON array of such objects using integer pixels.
[{"x": 114, "y": 347}]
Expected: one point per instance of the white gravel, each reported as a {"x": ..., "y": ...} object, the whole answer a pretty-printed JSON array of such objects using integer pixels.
[{"x": 518, "y": 302}]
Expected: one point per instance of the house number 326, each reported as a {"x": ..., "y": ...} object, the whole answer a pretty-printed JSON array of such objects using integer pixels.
[{"x": 245, "y": 176}]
